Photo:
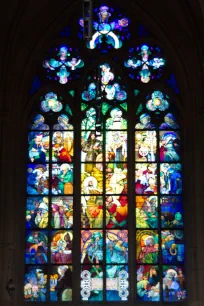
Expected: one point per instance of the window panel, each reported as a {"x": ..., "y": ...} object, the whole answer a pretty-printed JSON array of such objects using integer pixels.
[
  {"x": 170, "y": 179},
  {"x": 49, "y": 207},
  {"x": 62, "y": 179},
  {"x": 63, "y": 146},
  {"x": 116, "y": 146},
  {"x": 38, "y": 179},
  {"x": 116, "y": 178},
  {"x": 91, "y": 246},
  {"x": 169, "y": 146},
  {"x": 61, "y": 247},
  {"x": 63, "y": 123},
  {"x": 172, "y": 244},
  {"x": 145, "y": 63},
  {"x": 91, "y": 178},
  {"x": 148, "y": 283},
  {"x": 171, "y": 212},
  {"x": 116, "y": 120},
  {"x": 38, "y": 151},
  {"x": 91, "y": 283},
  {"x": 174, "y": 284},
  {"x": 169, "y": 122},
  {"x": 91, "y": 146},
  {"x": 36, "y": 247},
  {"x": 116, "y": 246},
  {"x": 92, "y": 211},
  {"x": 117, "y": 284},
  {"x": 116, "y": 211},
  {"x": 38, "y": 123},
  {"x": 37, "y": 212},
  {"x": 62, "y": 212},
  {"x": 163, "y": 209},
  {"x": 147, "y": 212},
  {"x": 104, "y": 188},
  {"x": 147, "y": 246},
  {"x": 60, "y": 67},
  {"x": 146, "y": 178},
  {"x": 145, "y": 146},
  {"x": 35, "y": 284},
  {"x": 61, "y": 283},
  {"x": 110, "y": 29}
]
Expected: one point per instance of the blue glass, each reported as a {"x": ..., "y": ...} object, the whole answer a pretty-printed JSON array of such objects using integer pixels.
[
  {"x": 169, "y": 122},
  {"x": 116, "y": 246},
  {"x": 107, "y": 27},
  {"x": 169, "y": 143},
  {"x": 51, "y": 103},
  {"x": 37, "y": 212},
  {"x": 39, "y": 123},
  {"x": 170, "y": 179},
  {"x": 38, "y": 151},
  {"x": 157, "y": 102},
  {"x": 63, "y": 123},
  {"x": 172, "y": 247},
  {"x": 109, "y": 90},
  {"x": 36, "y": 247},
  {"x": 145, "y": 63},
  {"x": 142, "y": 31},
  {"x": 145, "y": 122},
  {"x": 35, "y": 284},
  {"x": 148, "y": 283},
  {"x": 91, "y": 247},
  {"x": 117, "y": 283},
  {"x": 171, "y": 212},
  {"x": 36, "y": 84},
  {"x": 37, "y": 179},
  {"x": 172, "y": 82},
  {"x": 174, "y": 284},
  {"x": 64, "y": 65},
  {"x": 62, "y": 179},
  {"x": 66, "y": 32}
]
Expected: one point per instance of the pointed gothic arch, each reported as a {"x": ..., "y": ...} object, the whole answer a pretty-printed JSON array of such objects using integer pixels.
[{"x": 177, "y": 79}]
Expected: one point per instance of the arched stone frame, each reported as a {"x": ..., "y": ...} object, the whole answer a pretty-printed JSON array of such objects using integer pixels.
[{"x": 192, "y": 145}]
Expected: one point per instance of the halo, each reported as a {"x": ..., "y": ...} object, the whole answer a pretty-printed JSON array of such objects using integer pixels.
[
  {"x": 71, "y": 235},
  {"x": 55, "y": 133},
  {"x": 171, "y": 134},
  {"x": 90, "y": 178},
  {"x": 172, "y": 271},
  {"x": 145, "y": 239},
  {"x": 65, "y": 166}
]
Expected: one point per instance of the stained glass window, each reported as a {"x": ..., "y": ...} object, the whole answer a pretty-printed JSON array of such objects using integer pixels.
[
  {"x": 49, "y": 208},
  {"x": 159, "y": 210},
  {"x": 145, "y": 63},
  {"x": 104, "y": 200},
  {"x": 63, "y": 64},
  {"x": 108, "y": 26},
  {"x": 104, "y": 206}
]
